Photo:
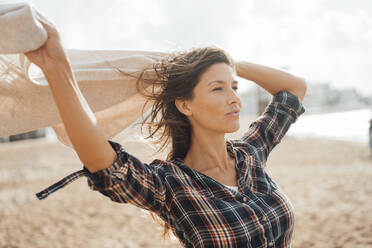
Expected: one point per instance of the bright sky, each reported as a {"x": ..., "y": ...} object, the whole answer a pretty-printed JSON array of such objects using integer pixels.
[{"x": 320, "y": 40}]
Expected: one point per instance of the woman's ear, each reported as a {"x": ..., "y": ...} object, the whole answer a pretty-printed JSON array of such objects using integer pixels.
[{"x": 183, "y": 106}]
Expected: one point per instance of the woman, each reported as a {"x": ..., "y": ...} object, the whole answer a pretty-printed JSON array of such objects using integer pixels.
[{"x": 210, "y": 192}]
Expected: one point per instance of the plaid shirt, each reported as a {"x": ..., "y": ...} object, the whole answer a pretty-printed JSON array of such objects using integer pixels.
[{"x": 201, "y": 211}]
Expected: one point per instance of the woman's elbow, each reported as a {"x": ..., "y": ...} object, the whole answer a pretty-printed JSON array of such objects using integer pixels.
[{"x": 301, "y": 88}]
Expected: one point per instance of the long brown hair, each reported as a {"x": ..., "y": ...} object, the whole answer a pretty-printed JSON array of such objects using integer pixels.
[{"x": 176, "y": 75}]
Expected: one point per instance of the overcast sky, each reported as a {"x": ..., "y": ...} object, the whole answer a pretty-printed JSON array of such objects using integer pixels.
[{"x": 321, "y": 40}]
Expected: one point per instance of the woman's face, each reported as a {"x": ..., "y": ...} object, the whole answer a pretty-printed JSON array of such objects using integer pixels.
[{"x": 215, "y": 97}]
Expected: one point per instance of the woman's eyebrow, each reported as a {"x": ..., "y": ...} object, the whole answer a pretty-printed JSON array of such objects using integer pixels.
[{"x": 222, "y": 81}]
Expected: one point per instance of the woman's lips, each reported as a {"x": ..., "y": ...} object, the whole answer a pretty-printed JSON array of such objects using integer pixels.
[{"x": 234, "y": 113}]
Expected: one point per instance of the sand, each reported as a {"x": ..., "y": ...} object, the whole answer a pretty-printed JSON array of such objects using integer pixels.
[{"x": 328, "y": 182}]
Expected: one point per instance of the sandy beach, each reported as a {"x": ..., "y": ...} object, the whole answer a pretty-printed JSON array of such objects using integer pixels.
[{"x": 329, "y": 184}]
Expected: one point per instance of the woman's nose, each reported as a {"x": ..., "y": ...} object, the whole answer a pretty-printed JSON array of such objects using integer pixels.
[{"x": 234, "y": 97}]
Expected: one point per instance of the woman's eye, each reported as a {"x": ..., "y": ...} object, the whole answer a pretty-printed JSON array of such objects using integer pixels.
[{"x": 220, "y": 88}]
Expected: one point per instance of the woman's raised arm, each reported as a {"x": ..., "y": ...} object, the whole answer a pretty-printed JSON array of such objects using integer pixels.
[
  {"x": 271, "y": 79},
  {"x": 88, "y": 140},
  {"x": 284, "y": 109}
]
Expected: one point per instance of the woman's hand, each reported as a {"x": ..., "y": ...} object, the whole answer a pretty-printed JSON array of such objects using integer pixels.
[
  {"x": 238, "y": 65},
  {"x": 51, "y": 52}
]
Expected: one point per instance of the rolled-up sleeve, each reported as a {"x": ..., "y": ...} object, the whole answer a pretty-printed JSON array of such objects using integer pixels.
[
  {"x": 128, "y": 180},
  {"x": 269, "y": 128}
]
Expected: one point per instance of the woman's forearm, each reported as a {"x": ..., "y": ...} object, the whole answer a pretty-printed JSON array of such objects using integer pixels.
[
  {"x": 271, "y": 79},
  {"x": 80, "y": 123}
]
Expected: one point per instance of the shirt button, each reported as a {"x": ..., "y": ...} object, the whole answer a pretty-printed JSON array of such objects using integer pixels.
[
  {"x": 245, "y": 199},
  {"x": 264, "y": 218},
  {"x": 271, "y": 244}
]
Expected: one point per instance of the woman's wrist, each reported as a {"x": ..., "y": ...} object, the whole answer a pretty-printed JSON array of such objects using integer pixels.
[
  {"x": 57, "y": 65},
  {"x": 241, "y": 68},
  {"x": 238, "y": 67}
]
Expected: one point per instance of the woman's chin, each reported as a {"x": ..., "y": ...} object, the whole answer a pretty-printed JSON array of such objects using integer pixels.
[{"x": 233, "y": 129}]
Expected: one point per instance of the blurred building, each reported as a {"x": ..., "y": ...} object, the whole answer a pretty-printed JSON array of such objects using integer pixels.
[
  {"x": 370, "y": 135},
  {"x": 320, "y": 97},
  {"x": 254, "y": 101}
]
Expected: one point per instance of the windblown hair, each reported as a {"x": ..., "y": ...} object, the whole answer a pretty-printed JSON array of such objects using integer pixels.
[{"x": 176, "y": 75}]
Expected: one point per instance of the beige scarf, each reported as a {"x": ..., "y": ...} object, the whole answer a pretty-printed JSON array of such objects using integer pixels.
[{"x": 26, "y": 102}]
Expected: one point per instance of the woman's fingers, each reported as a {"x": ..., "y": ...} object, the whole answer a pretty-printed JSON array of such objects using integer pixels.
[
  {"x": 41, "y": 18},
  {"x": 52, "y": 50},
  {"x": 48, "y": 26}
]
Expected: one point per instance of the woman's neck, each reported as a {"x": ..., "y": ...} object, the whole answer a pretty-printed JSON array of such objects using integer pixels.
[{"x": 208, "y": 153}]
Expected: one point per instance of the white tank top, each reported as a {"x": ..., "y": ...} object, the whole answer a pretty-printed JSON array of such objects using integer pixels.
[{"x": 233, "y": 188}]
